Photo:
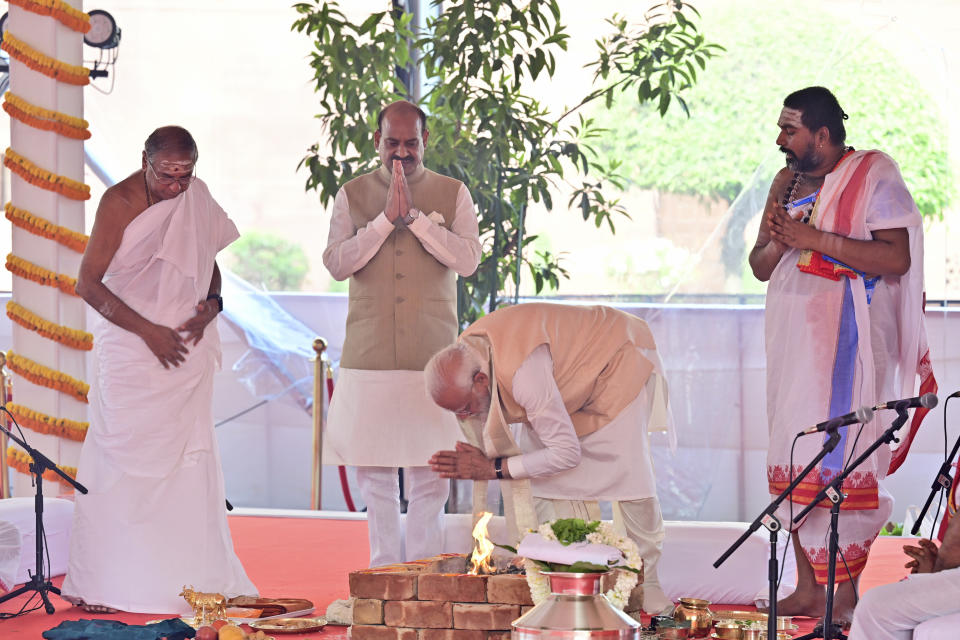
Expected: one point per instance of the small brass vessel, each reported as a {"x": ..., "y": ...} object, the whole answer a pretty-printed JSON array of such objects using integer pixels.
[{"x": 698, "y": 613}]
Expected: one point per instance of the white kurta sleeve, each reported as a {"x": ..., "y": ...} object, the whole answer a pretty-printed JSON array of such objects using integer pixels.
[
  {"x": 349, "y": 249},
  {"x": 458, "y": 247},
  {"x": 535, "y": 389}
]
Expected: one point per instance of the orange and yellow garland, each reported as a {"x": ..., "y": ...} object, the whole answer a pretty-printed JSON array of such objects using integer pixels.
[
  {"x": 44, "y": 228},
  {"x": 70, "y": 127},
  {"x": 73, "y": 338},
  {"x": 45, "y": 119},
  {"x": 29, "y": 271},
  {"x": 43, "y": 178},
  {"x": 42, "y": 63},
  {"x": 47, "y": 377},
  {"x": 20, "y": 460},
  {"x": 59, "y": 11},
  {"x": 42, "y": 423}
]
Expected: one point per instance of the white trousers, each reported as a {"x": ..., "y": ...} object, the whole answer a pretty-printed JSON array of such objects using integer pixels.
[
  {"x": 426, "y": 496},
  {"x": 641, "y": 520},
  {"x": 894, "y": 611}
]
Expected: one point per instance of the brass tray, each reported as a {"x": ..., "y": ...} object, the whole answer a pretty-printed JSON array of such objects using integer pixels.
[
  {"x": 748, "y": 616},
  {"x": 289, "y": 625}
]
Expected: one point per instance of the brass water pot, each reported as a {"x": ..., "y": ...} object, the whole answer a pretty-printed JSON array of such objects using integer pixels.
[{"x": 698, "y": 613}]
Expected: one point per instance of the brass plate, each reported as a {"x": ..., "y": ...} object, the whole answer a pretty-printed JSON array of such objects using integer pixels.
[
  {"x": 750, "y": 616},
  {"x": 289, "y": 625}
]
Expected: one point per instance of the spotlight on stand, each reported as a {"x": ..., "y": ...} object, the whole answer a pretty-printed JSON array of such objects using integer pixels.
[{"x": 104, "y": 35}]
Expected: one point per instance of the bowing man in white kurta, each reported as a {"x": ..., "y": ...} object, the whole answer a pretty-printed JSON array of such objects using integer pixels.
[
  {"x": 154, "y": 519},
  {"x": 580, "y": 404}
]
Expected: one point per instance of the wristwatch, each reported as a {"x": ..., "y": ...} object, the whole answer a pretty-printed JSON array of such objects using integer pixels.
[
  {"x": 412, "y": 215},
  {"x": 216, "y": 296},
  {"x": 498, "y": 467}
]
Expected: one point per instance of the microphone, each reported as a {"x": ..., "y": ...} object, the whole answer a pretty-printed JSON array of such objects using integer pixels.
[
  {"x": 863, "y": 414},
  {"x": 927, "y": 401}
]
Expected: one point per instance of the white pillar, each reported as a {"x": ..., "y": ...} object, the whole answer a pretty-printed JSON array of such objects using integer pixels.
[{"x": 62, "y": 156}]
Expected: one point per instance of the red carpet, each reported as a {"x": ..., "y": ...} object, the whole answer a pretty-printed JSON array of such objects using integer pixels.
[{"x": 310, "y": 558}]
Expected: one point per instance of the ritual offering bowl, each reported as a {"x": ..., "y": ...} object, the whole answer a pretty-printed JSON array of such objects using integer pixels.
[
  {"x": 785, "y": 623},
  {"x": 673, "y": 633},
  {"x": 575, "y": 610},
  {"x": 754, "y": 632},
  {"x": 728, "y": 630},
  {"x": 698, "y": 613}
]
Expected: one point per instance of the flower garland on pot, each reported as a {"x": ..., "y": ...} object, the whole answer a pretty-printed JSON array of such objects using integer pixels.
[{"x": 568, "y": 531}]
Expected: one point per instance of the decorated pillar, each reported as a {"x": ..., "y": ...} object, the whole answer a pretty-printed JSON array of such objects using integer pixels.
[{"x": 44, "y": 40}]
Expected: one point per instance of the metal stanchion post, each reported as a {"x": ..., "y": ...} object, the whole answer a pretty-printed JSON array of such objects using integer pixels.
[
  {"x": 319, "y": 381},
  {"x": 4, "y": 469}
]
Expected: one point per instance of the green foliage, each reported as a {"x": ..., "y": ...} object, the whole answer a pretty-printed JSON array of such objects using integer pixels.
[
  {"x": 486, "y": 129},
  {"x": 772, "y": 50},
  {"x": 269, "y": 261},
  {"x": 891, "y": 529},
  {"x": 570, "y": 530}
]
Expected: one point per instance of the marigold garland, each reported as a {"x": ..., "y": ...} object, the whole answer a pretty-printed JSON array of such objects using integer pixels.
[
  {"x": 59, "y": 11},
  {"x": 47, "y": 377},
  {"x": 42, "y": 63},
  {"x": 44, "y": 228},
  {"x": 42, "y": 423},
  {"x": 29, "y": 271},
  {"x": 73, "y": 338},
  {"x": 21, "y": 461},
  {"x": 40, "y": 118},
  {"x": 43, "y": 178}
]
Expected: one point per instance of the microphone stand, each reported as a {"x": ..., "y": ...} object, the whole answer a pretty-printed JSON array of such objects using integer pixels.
[
  {"x": 827, "y": 629},
  {"x": 941, "y": 481},
  {"x": 38, "y": 582},
  {"x": 768, "y": 519}
]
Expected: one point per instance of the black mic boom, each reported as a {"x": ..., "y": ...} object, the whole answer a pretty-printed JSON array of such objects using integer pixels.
[
  {"x": 863, "y": 414},
  {"x": 927, "y": 401}
]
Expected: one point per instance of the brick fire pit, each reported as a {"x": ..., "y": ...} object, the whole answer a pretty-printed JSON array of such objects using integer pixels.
[{"x": 435, "y": 599}]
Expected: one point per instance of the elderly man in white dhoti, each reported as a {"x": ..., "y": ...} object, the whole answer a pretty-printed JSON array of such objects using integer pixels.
[
  {"x": 581, "y": 386},
  {"x": 154, "y": 518}
]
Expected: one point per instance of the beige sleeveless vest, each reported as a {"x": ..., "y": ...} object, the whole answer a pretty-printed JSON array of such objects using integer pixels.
[
  {"x": 597, "y": 362},
  {"x": 403, "y": 303}
]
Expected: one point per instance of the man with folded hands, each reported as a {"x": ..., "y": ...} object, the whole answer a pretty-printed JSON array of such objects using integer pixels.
[{"x": 582, "y": 386}]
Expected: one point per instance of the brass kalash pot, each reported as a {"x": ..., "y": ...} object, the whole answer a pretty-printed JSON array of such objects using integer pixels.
[
  {"x": 698, "y": 613},
  {"x": 575, "y": 610}
]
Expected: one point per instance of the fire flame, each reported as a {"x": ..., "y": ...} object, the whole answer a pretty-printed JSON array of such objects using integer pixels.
[{"x": 483, "y": 548}]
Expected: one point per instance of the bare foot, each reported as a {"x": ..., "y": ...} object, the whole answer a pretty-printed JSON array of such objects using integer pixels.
[
  {"x": 89, "y": 608},
  {"x": 844, "y": 600},
  {"x": 803, "y": 602},
  {"x": 98, "y": 608}
]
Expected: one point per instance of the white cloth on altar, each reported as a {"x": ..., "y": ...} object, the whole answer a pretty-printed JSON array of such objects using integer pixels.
[
  {"x": 154, "y": 519},
  {"x": 9, "y": 555},
  {"x": 612, "y": 463}
]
